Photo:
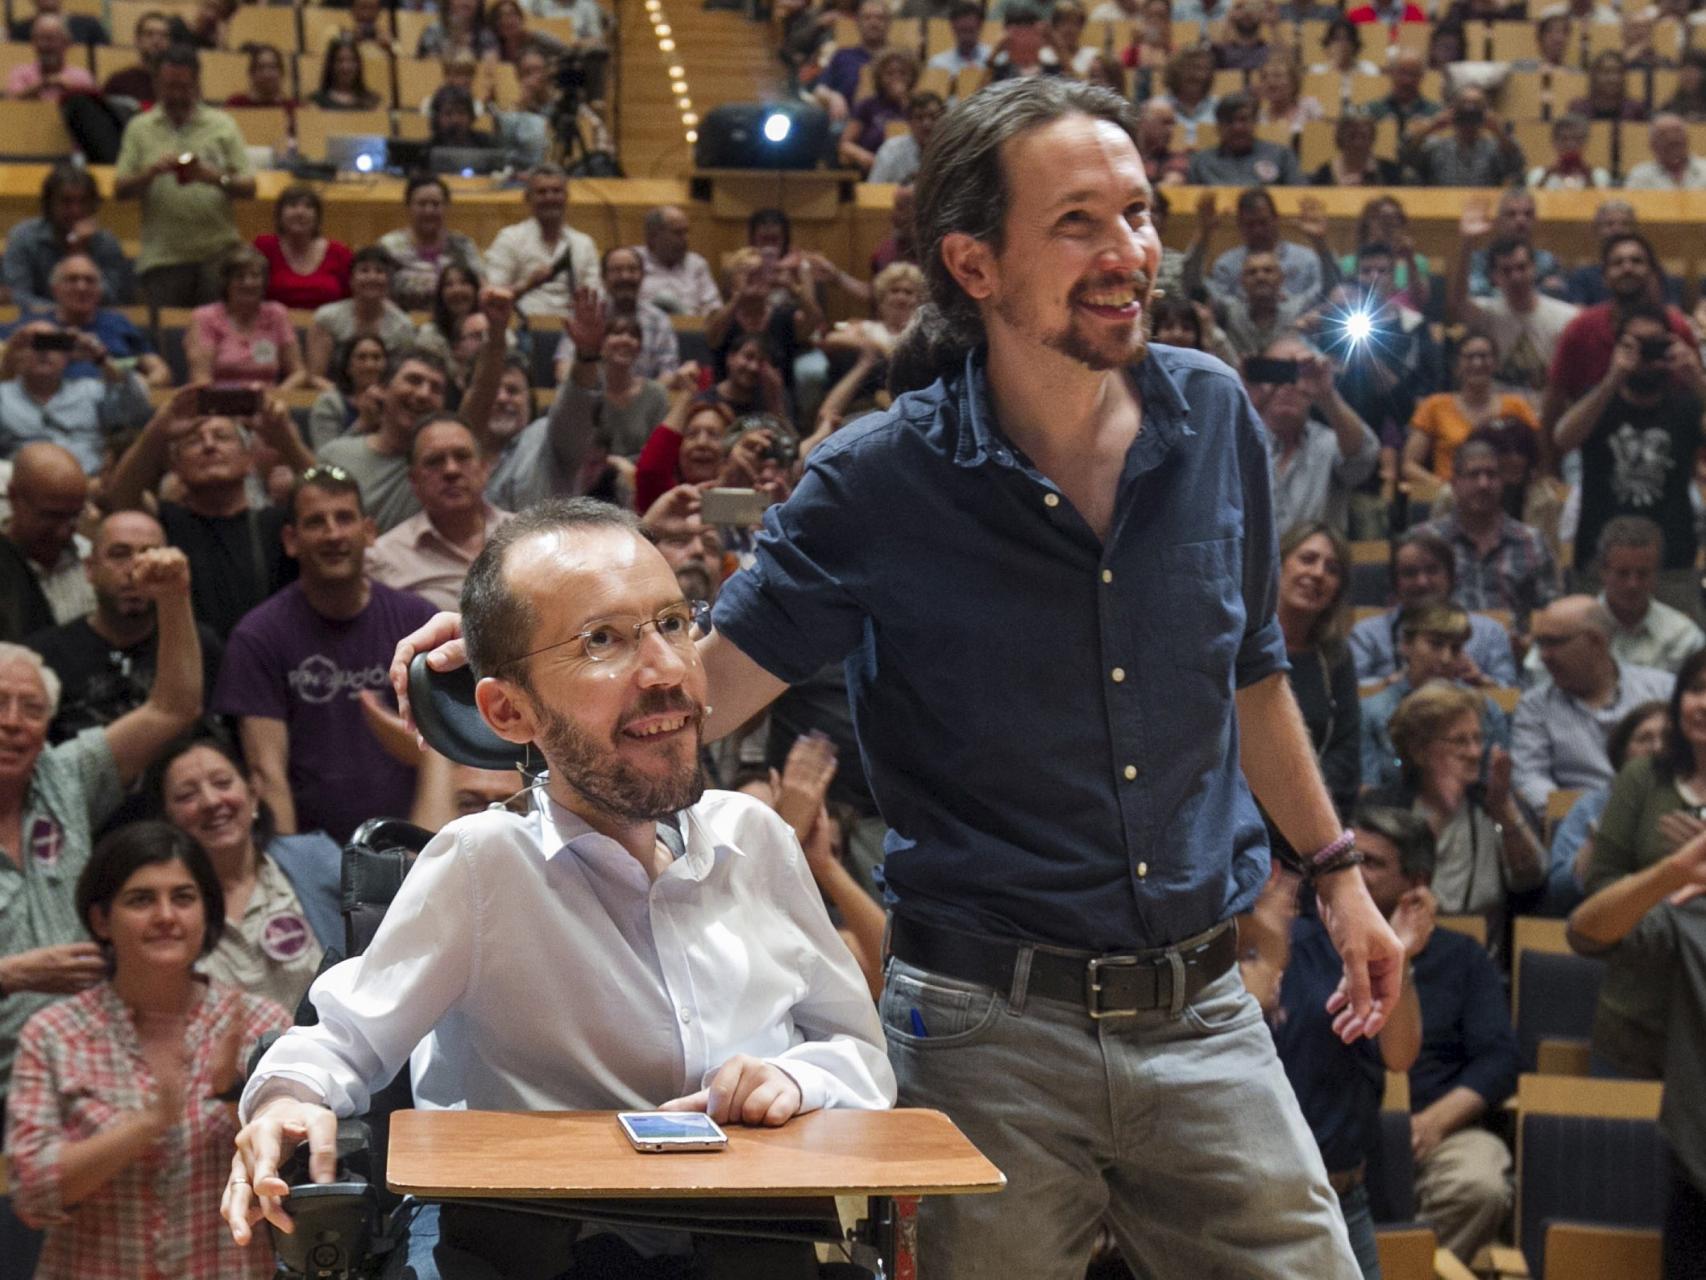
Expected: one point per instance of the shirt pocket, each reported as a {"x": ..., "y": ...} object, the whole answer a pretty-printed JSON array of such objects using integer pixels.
[{"x": 1205, "y": 602}]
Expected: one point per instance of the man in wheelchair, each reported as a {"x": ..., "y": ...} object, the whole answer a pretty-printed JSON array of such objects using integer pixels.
[{"x": 633, "y": 942}]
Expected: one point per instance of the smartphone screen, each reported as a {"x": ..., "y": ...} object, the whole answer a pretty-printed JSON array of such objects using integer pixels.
[
  {"x": 231, "y": 402},
  {"x": 671, "y": 1130}
]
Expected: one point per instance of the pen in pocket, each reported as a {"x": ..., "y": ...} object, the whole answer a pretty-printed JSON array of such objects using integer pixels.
[{"x": 918, "y": 1025}]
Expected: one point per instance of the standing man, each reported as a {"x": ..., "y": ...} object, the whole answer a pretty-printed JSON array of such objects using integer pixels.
[
  {"x": 1638, "y": 431},
  {"x": 1524, "y": 323},
  {"x": 106, "y": 660},
  {"x": 1066, "y": 862},
  {"x": 542, "y": 258},
  {"x": 187, "y": 221},
  {"x": 299, "y": 662}
]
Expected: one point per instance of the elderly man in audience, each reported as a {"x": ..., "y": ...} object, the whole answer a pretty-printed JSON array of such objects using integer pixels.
[
  {"x": 623, "y": 820},
  {"x": 188, "y": 224},
  {"x": 42, "y": 582},
  {"x": 1424, "y": 568},
  {"x": 542, "y": 258},
  {"x": 39, "y": 401},
  {"x": 151, "y": 36},
  {"x": 1559, "y": 729},
  {"x": 622, "y": 273},
  {"x": 1501, "y": 562},
  {"x": 1524, "y": 323},
  {"x": 70, "y": 203},
  {"x": 232, "y": 543},
  {"x": 1241, "y": 159},
  {"x": 1583, "y": 356},
  {"x": 54, "y": 799},
  {"x": 297, "y": 664},
  {"x": 414, "y": 387},
  {"x": 1432, "y": 636},
  {"x": 107, "y": 660},
  {"x": 677, "y": 280},
  {"x": 429, "y": 554},
  {"x": 1266, "y": 310},
  {"x": 1464, "y": 146},
  {"x": 1639, "y": 429},
  {"x": 49, "y": 78},
  {"x": 1318, "y": 449},
  {"x": 76, "y": 308},
  {"x": 1646, "y": 631},
  {"x": 1672, "y": 167}
]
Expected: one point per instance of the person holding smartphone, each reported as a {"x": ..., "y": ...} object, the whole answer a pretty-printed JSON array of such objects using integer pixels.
[
  {"x": 1638, "y": 431},
  {"x": 38, "y": 402}
]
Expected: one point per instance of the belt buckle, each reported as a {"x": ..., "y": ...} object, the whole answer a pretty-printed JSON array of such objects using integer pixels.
[{"x": 1093, "y": 987}]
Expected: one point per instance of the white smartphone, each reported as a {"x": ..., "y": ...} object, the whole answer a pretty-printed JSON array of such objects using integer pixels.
[
  {"x": 664, "y": 1131},
  {"x": 739, "y": 507}
]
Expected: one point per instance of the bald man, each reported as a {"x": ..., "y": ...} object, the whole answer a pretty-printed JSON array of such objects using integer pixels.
[
  {"x": 51, "y": 76},
  {"x": 106, "y": 659},
  {"x": 83, "y": 28},
  {"x": 42, "y": 582},
  {"x": 677, "y": 280},
  {"x": 1558, "y": 731}
]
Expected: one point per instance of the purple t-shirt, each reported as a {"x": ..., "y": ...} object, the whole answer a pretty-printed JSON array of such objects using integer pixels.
[{"x": 286, "y": 662}]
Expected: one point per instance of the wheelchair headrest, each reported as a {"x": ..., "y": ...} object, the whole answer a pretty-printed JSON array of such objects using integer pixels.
[{"x": 443, "y": 703}]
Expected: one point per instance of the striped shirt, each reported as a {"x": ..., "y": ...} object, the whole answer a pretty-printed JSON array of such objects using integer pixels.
[{"x": 1518, "y": 574}]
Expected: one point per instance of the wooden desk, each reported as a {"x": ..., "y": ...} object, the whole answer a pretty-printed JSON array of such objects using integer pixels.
[{"x": 582, "y": 1155}]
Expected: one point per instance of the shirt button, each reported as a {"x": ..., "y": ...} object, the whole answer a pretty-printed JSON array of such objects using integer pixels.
[
  {"x": 1107, "y": 575},
  {"x": 1051, "y": 499},
  {"x": 1130, "y": 772},
  {"x": 1118, "y": 674},
  {"x": 1142, "y": 870},
  {"x": 686, "y": 1016}
]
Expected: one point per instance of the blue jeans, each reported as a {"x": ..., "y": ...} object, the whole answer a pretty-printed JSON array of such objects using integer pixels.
[
  {"x": 1359, "y": 1223},
  {"x": 1181, "y": 1132}
]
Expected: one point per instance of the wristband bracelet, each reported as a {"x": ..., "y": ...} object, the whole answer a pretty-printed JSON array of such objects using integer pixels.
[
  {"x": 1337, "y": 862},
  {"x": 1331, "y": 857}
]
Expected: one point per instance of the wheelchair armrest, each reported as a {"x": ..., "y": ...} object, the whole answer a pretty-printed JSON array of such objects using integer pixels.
[{"x": 339, "y": 1233}]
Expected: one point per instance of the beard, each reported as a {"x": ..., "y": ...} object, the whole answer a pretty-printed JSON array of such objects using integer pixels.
[
  {"x": 1078, "y": 341},
  {"x": 598, "y": 774}
]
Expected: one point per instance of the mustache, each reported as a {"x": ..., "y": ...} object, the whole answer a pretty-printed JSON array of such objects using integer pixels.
[
  {"x": 1139, "y": 280},
  {"x": 661, "y": 702}
]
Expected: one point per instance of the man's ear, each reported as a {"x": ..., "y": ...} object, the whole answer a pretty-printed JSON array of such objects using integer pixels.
[
  {"x": 506, "y": 709},
  {"x": 287, "y": 538},
  {"x": 972, "y": 264}
]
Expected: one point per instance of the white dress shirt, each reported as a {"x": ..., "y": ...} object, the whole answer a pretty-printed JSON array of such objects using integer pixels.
[
  {"x": 520, "y": 249},
  {"x": 537, "y": 968}
]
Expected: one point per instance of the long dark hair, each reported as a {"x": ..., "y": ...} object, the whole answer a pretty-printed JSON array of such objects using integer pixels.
[
  {"x": 963, "y": 189},
  {"x": 1676, "y": 758}
]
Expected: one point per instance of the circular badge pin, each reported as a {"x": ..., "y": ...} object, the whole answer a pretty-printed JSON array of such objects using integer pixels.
[{"x": 284, "y": 936}]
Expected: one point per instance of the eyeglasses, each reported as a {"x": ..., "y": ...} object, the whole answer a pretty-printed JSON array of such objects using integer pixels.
[
  {"x": 325, "y": 471},
  {"x": 680, "y": 624}
]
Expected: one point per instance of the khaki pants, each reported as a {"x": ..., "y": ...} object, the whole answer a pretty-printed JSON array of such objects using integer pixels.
[{"x": 1463, "y": 1191}]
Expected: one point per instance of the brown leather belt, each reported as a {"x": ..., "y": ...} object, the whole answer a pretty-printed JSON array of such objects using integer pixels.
[{"x": 1108, "y": 986}]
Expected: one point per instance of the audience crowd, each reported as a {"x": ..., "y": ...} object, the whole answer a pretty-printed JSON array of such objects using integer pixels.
[{"x": 1487, "y": 477}]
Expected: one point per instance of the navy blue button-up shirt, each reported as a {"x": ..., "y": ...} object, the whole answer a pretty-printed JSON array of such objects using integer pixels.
[{"x": 1047, "y": 720}]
